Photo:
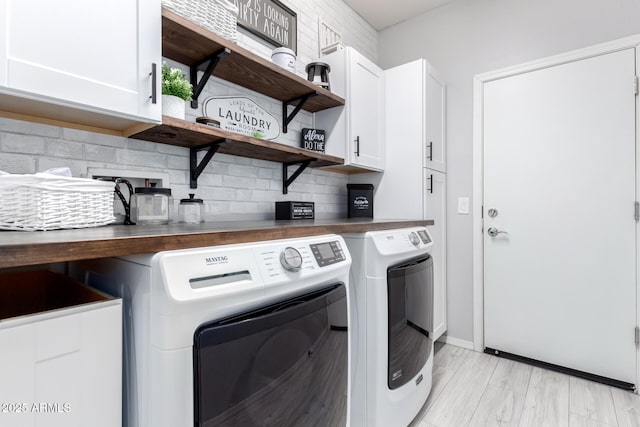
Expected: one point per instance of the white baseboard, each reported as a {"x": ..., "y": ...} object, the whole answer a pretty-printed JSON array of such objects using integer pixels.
[{"x": 456, "y": 341}]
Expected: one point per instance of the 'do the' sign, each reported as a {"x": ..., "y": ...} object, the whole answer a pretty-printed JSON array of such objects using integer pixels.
[{"x": 313, "y": 139}]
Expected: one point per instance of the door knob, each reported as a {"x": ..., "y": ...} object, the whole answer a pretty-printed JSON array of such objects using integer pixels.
[{"x": 493, "y": 232}]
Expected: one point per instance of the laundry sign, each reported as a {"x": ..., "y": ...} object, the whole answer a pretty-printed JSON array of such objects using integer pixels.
[
  {"x": 242, "y": 115},
  {"x": 269, "y": 20}
]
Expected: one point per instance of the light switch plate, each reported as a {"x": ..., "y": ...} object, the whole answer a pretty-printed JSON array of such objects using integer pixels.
[{"x": 463, "y": 205}]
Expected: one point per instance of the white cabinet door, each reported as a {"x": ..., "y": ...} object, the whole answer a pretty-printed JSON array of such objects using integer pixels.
[
  {"x": 435, "y": 207},
  {"x": 83, "y": 54},
  {"x": 355, "y": 132},
  {"x": 435, "y": 149},
  {"x": 366, "y": 112},
  {"x": 398, "y": 192}
]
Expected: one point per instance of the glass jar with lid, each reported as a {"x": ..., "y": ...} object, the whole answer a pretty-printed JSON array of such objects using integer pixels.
[
  {"x": 191, "y": 210},
  {"x": 151, "y": 205}
]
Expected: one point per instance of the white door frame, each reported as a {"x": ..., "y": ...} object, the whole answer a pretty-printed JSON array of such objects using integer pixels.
[{"x": 478, "y": 167}]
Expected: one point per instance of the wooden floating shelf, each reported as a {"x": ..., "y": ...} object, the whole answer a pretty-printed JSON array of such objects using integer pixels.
[
  {"x": 190, "y": 44},
  {"x": 194, "y": 135}
]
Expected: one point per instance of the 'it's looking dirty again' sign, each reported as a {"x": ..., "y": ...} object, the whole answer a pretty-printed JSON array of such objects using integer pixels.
[{"x": 269, "y": 20}]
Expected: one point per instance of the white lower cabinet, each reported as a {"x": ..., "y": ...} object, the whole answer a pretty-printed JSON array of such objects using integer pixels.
[
  {"x": 89, "y": 56},
  {"x": 435, "y": 207},
  {"x": 61, "y": 367}
]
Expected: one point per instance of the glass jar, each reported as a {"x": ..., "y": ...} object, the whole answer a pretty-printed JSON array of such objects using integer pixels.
[
  {"x": 191, "y": 210},
  {"x": 151, "y": 205}
]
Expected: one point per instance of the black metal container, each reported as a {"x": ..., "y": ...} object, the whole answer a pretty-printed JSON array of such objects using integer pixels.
[
  {"x": 295, "y": 210},
  {"x": 360, "y": 199}
]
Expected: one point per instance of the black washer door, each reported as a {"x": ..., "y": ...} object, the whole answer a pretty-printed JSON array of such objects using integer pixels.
[{"x": 281, "y": 365}]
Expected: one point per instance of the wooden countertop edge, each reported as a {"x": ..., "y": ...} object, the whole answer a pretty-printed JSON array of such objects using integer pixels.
[{"x": 73, "y": 245}]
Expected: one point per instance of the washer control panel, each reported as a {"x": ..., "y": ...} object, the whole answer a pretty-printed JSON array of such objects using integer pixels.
[{"x": 327, "y": 253}]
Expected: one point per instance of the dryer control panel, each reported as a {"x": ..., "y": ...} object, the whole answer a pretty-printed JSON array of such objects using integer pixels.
[{"x": 327, "y": 253}]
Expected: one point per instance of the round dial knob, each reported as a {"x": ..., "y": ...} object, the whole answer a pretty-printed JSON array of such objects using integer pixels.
[
  {"x": 413, "y": 238},
  {"x": 291, "y": 259}
]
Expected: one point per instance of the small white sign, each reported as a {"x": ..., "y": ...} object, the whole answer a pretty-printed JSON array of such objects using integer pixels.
[{"x": 242, "y": 115}]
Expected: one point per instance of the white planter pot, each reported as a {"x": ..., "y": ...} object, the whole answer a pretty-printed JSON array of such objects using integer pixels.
[{"x": 173, "y": 106}]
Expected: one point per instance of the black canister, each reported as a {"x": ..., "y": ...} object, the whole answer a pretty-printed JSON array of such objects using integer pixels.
[{"x": 360, "y": 199}]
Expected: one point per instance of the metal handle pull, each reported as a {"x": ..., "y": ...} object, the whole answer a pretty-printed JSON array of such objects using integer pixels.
[
  {"x": 358, "y": 146},
  {"x": 431, "y": 151},
  {"x": 493, "y": 232},
  {"x": 431, "y": 181},
  {"x": 154, "y": 91}
]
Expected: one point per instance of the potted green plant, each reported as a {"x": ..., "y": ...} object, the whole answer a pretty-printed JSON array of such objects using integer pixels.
[{"x": 176, "y": 90}]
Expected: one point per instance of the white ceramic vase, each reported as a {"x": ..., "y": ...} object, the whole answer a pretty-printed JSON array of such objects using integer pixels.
[{"x": 173, "y": 106}]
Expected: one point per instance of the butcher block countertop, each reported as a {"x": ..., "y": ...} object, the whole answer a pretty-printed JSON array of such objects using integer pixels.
[{"x": 20, "y": 248}]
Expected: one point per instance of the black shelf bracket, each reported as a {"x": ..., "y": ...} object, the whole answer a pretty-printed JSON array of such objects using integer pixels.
[
  {"x": 288, "y": 180},
  {"x": 210, "y": 63},
  {"x": 196, "y": 169},
  {"x": 286, "y": 117}
]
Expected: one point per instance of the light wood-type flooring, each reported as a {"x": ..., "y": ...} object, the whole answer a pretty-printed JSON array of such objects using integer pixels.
[{"x": 472, "y": 389}]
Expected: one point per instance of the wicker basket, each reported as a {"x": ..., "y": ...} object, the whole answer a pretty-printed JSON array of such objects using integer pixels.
[
  {"x": 218, "y": 16},
  {"x": 49, "y": 202}
]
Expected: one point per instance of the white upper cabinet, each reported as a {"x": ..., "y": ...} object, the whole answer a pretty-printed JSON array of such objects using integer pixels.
[
  {"x": 93, "y": 56},
  {"x": 434, "y": 122},
  {"x": 355, "y": 132}
]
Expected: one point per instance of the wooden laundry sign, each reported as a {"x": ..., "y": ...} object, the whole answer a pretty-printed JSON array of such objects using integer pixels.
[{"x": 269, "y": 20}]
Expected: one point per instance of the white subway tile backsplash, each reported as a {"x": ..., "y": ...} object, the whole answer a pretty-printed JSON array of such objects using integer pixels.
[
  {"x": 243, "y": 170},
  {"x": 25, "y": 144},
  {"x": 141, "y": 158},
  {"x": 64, "y": 149},
  {"x": 100, "y": 153},
  {"x": 92, "y": 138},
  {"x": 17, "y": 163},
  {"x": 28, "y": 128},
  {"x": 238, "y": 182}
]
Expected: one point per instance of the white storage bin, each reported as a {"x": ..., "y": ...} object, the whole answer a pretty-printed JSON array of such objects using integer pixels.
[{"x": 61, "y": 353}]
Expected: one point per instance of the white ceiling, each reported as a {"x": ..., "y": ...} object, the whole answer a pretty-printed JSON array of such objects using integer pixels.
[{"x": 384, "y": 13}]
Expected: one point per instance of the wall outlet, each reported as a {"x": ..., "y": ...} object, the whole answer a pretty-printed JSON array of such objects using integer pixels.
[{"x": 463, "y": 205}]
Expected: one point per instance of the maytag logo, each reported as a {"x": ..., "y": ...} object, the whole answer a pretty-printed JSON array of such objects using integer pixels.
[{"x": 217, "y": 260}]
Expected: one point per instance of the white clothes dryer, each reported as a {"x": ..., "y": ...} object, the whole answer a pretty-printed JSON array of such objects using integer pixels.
[
  {"x": 392, "y": 278},
  {"x": 234, "y": 335}
]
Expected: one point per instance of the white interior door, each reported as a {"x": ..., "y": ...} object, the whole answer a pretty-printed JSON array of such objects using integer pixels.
[{"x": 559, "y": 169}]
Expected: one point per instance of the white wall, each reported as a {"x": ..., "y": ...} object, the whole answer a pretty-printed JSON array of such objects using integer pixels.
[
  {"x": 232, "y": 187},
  {"x": 469, "y": 37}
]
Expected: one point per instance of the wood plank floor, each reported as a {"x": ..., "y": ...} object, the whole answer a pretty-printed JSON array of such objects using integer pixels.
[{"x": 473, "y": 389}]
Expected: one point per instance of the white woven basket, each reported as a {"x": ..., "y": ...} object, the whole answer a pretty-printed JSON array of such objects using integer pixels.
[
  {"x": 217, "y": 16},
  {"x": 50, "y": 202}
]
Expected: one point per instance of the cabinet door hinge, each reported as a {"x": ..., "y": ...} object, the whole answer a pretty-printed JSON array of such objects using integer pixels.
[
  {"x": 637, "y": 335},
  {"x": 636, "y": 210},
  {"x": 635, "y": 84}
]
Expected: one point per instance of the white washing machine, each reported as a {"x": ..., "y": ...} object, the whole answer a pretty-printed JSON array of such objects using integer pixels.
[
  {"x": 234, "y": 335},
  {"x": 392, "y": 278}
]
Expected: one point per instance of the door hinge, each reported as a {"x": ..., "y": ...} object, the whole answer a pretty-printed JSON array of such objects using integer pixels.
[
  {"x": 635, "y": 84},
  {"x": 637, "y": 335},
  {"x": 636, "y": 210}
]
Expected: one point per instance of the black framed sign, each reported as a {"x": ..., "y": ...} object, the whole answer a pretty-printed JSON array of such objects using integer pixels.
[{"x": 270, "y": 20}]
